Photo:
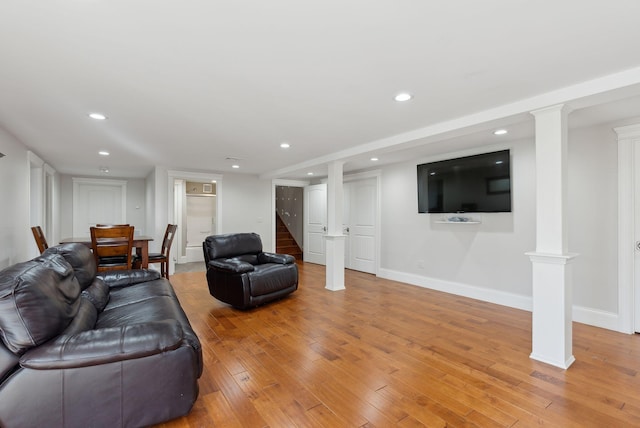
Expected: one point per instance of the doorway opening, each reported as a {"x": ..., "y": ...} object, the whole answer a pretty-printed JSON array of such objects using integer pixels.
[
  {"x": 196, "y": 214},
  {"x": 200, "y": 217},
  {"x": 361, "y": 226},
  {"x": 289, "y": 220},
  {"x": 196, "y": 209}
]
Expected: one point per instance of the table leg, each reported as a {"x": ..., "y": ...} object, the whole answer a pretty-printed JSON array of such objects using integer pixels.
[{"x": 142, "y": 250}]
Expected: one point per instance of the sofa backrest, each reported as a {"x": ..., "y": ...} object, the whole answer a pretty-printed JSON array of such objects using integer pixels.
[
  {"x": 38, "y": 300},
  {"x": 232, "y": 245},
  {"x": 80, "y": 257}
]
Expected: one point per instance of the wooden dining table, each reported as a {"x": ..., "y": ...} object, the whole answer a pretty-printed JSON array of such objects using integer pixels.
[{"x": 140, "y": 243}]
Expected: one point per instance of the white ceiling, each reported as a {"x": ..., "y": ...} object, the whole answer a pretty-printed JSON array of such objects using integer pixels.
[{"x": 188, "y": 84}]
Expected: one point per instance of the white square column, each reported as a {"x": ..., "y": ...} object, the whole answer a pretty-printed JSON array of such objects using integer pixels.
[
  {"x": 335, "y": 239},
  {"x": 552, "y": 332}
]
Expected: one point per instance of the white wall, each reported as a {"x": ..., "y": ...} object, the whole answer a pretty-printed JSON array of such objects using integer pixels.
[
  {"x": 15, "y": 232},
  {"x": 246, "y": 207},
  {"x": 150, "y": 201},
  {"x": 136, "y": 203},
  {"x": 487, "y": 261},
  {"x": 484, "y": 261},
  {"x": 593, "y": 217}
]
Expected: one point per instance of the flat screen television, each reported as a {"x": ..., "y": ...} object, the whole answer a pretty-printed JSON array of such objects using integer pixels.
[{"x": 480, "y": 183}]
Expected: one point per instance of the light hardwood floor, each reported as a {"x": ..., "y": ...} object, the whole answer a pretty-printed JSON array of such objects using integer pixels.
[{"x": 382, "y": 353}]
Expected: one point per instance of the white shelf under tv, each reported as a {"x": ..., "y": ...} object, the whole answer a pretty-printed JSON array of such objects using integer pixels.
[{"x": 459, "y": 219}]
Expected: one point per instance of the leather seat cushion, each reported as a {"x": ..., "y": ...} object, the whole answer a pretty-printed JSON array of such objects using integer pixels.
[
  {"x": 156, "y": 257},
  {"x": 113, "y": 260},
  {"x": 155, "y": 307},
  {"x": 270, "y": 277},
  {"x": 126, "y": 296},
  {"x": 247, "y": 258}
]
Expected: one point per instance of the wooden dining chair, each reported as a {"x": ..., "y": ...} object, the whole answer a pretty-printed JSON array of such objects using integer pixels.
[
  {"x": 112, "y": 247},
  {"x": 163, "y": 256},
  {"x": 41, "y": 241}
]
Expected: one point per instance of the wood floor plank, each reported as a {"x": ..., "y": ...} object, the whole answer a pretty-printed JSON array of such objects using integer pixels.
[{"x": 383, "y": 353}]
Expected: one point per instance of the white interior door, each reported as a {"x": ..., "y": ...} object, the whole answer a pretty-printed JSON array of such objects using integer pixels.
[
  {"x": 97, "y": 201},
  {"x": 361, "y": 225},
  {"x": 315, "y": 224}
]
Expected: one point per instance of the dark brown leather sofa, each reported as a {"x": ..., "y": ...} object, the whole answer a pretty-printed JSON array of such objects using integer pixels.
[
  {"x": 82, "y": 350},
  {"x": 241, "y": 274}
]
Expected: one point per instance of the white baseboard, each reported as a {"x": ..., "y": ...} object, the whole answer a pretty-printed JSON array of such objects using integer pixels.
[
  {"x": 597, "y": 318},
  {"x": 593, "y": 317},
  {"x": 480, "y": 293}
]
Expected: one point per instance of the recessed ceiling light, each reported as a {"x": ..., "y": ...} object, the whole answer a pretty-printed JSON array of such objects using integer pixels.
[
  {"x": 97, "y": 116},
  {"x": 285, "y": 145},
  {"x": 235, "y": 166},
  {"x": 374, "y": 159},
  {"x": 403, "y": 96},
  {"x": 309, "y": 173},
  {"x": 500, "y": 132},
  {"x": 103, "y": 153}
]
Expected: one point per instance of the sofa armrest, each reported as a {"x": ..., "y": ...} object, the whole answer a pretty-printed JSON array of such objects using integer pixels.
[
  {"x": 123, "y": 278},
  {"x": 283, "y": 259},
  {"x": 230, "y": 266},
  {"x": 102, "y": 346}
]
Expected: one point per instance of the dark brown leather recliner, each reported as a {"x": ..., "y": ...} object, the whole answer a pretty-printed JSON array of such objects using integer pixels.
[
  {"x": 84, "y": 350},
  {"x": 241, "y": 274}
]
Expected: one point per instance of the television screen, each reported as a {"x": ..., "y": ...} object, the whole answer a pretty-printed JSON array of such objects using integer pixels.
[{"x": 480, "y": 183}]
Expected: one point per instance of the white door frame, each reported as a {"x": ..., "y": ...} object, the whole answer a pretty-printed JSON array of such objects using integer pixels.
[
  {"x": 50, "y": 204},
  {"x": 36, "y": 199},
  {"x": 628, "y": 292}
]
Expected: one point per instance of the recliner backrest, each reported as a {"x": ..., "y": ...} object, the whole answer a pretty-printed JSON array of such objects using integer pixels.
[
  {"x": 80, "y": 257},
  {"x": 231, "y": 245},
  {"x": 38, "y": 300}
]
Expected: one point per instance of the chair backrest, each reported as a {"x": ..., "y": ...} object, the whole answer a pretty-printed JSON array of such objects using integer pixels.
[
  {"x": 41, "y": 241},
  {"x": 168, "y": 239},
  {"x": 112, "y": 247},
  {"x": 231, "y": 245}
]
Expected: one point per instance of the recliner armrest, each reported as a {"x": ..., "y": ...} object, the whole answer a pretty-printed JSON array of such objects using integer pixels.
[
  {"x": 231, "y": 266},
  {"x": 283, "y": 259},
  {"x": 102, "y": 346},
  {"x": 123, "y": 278}
]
